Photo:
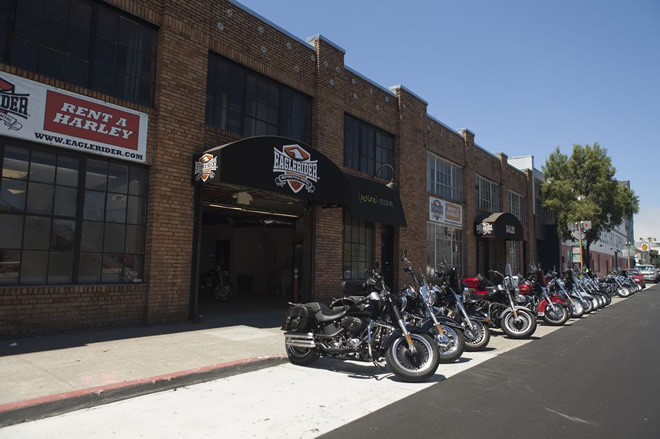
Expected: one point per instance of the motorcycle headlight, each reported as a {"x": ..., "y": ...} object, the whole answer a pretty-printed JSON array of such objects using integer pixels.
[{"x": 431, "y": 299}]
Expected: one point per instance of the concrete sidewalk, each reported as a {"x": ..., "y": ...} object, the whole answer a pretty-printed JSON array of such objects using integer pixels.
[{"x": 49, "y": 375}]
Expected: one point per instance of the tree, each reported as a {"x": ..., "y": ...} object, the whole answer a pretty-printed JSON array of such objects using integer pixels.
[
  {"x": 655, "y": 258},
  {"x": 582, "y": 187}
]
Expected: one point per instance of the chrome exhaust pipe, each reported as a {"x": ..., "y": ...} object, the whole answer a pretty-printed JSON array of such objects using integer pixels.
[{"x": 300, "y": 340}]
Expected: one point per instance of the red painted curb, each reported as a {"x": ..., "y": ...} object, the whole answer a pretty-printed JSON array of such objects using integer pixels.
[{"x": 125, "y": 384}]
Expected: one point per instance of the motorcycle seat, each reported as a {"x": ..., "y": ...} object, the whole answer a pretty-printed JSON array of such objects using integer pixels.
[{"x": 323, "y": 313}]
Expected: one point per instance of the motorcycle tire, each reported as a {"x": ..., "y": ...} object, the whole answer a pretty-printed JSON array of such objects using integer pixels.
[
  {"x": 301, "y": 356},
  {"x": 452, "y": 350},
  {"x": 222, "y": 292},
  {"x": 577, "y": 310},
  {"x": 523, "y": 328},
  {"x": 588, "y": 306},
  {"x": 413, "y": 368},
  {"x": 477, "y": 340},
  {"x": 556, "y": 317},
  {"x": 622, "y": 292}
]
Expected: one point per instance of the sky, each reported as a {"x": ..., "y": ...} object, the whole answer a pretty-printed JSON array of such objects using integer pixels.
[{"x": 525, "y": 76}]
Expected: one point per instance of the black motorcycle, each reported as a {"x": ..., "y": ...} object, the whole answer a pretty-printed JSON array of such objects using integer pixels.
[{"x": 371, "y": 329}]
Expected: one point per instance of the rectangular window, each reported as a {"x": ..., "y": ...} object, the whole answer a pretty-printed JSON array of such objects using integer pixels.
[
  {"x": 488, "y": 195},
  {"x": 358, "y": 247},
  {"x": 444, "y": 245},
  {"x": 367, "y": 148},
  {"x": 69, "y": 219},
  {"x": 82, "y": 42},
  {"x": 247, "y": 103},
  {"x": 517, "y": 206},
  {"x": 513, "y": 256},
  {"x": 444, "y": 178}
]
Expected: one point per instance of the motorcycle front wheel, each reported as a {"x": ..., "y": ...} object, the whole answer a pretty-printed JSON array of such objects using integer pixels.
[
  {"x": 577, "y": 310},
  {"x": 477, "y": 339},
  {"x": 557, "y": 316},
  {"x": 522, "y": 327},
  {"x": 413, "y": 367},
  {"x": 450, "y": 345}
]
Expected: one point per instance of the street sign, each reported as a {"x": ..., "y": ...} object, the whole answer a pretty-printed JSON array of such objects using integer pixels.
[
  {"x": 586, "y": 225},
  {"x": 644, "y": 247}
]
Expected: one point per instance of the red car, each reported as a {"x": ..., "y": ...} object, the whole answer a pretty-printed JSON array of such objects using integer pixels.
[{"x": 637, "y": 276}]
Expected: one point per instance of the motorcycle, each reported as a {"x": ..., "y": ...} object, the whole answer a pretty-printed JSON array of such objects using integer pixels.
[
  {"x": 215, "y": 282},
  {"x": 447, "y": 332},
  {"x": 373, "y": 329},
  {"x": 534, "y": 295},
  {"x": 497, "y": 302}
]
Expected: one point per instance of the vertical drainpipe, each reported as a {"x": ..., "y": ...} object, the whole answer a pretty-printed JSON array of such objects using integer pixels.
[{"x": 194, "y": 315}]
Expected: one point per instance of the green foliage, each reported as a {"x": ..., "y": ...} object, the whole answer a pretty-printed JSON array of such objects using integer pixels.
[
  {"x": 582, "y": 187},
  {"x": 655, "y": 258}
]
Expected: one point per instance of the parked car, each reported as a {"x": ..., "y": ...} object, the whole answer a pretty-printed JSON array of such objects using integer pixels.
[
  {"x": 649, "y": 272},
  {"x": 636, "y": 276}
]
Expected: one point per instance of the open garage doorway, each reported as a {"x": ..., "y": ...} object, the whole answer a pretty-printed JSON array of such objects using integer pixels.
[{"x": 254, "y": 255}]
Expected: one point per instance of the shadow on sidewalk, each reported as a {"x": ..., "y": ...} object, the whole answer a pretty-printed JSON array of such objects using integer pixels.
[{"x": 253, "y": 311}]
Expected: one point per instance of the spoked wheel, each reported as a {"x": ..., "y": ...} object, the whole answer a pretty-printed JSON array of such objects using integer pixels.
[
  {"x": 301, "y": 356},
  {"x": 451, "y": 343},
  {"x": 522, "y": 327},
  {"x": 557, "y": 316},
  {"x": 477, "y": 339},
  {"x": 413, "y": 367},
  {"x": 588, "y": 305},
  {"x": 222, "y": 292},
  {"x": 576, "y": 309}
]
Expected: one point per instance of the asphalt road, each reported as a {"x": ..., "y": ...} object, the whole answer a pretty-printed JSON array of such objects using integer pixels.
[{"x": 600, "y": 378}]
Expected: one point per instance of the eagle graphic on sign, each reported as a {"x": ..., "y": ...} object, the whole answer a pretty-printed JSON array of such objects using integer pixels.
[{"x": 296, "y": 168}]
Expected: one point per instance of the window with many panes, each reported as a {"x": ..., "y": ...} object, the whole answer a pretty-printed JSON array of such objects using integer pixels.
[
  {"x": 517, "y": 206},
  {"x": 444, "y": 178},
  {"x": 82, "y": 42},
  {"x": 67, "y": 218},
  {"x": 358, "y": 247},
  {"x": 367, "y": 148},
  {"x": 247, "y": 103},
  {"x": 488, "y": 195},
  {"x": 444, "y": 246}
]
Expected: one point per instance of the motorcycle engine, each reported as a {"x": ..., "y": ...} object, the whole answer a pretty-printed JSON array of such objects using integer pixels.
[{"x": 353, "y": 325}]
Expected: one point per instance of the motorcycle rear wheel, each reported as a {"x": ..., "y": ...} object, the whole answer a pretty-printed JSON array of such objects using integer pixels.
[
  {"x": 301, "y": 356},
  {"x": 524, "y": 327},
  {"x": 477, "y": 340},
  {"x": 556, "y": 317},
  {"x": 413, "y": 368}
]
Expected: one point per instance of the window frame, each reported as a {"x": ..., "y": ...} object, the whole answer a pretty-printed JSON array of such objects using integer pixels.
[
  {"x": 362, "y": 235},
  {"x": 521, "y": 206},
  {"x": 456, "y": 240},
  {"x": 368, "y": 148},
  {"x": 491, "y": 203},
  {"x": 451, "y": 190},
  {"x": 132, "y": 253}
]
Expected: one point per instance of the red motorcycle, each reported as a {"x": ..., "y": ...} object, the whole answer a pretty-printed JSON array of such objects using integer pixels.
[{"x": 535, "y": 295}]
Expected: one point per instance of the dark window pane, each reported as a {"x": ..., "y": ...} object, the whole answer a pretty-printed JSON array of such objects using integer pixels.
[
  {"x": 143, "y": 92},
  {"x": 116, "y": 208},
  {"x": 94, "y": 206},
  {"x": 28, "y": 18},
  {"x": 67, "y": 171},
  {"x": 40, "y": 198},
  {"x": 80, "y": 20},
  {"x": 138, "y": 182},
  {"x": 42, "y": 167},
  {"x": 63, "y": 234},
  {"x": 129, "y": 32},
  {"x": 10, "y": 263},
  {"x": 16, "y": 162},
  {"x": 52, "y": 62},
  {"x": 111, "y": 268},
  {"x": 11, "y": 231},
  {"x": 134, "y": 239},
  {"x": 113, "y": 241},
  {"x": 107, "y": 23},
  {"x": 60, "y": 268},
  {"x": 103, "y": 79},
  {"x": 136, "y": 211},
  {"x": 37, "y": 233},
  {"x": 133, "y": 268},
  {"x": 92, "y": 237},
  {"x": 89, "y": 268},
  {"x": 12, "y": 194},
  {"x": 148, "y": 40},
  {"x": 104, "y": 54},
  {"x": 76, "y": 71},
  {"x": 124, "y": 86},
  {"x": 25, "y": 54},
  {"x": 65, "y": 201},
  {"x": 97, "y": 175},
  {"x": 126, "y": 60},
  {"x": 34, "y": 266},
  {"x": 117, "y": 178},
  {"x": 56, "y": 9}
]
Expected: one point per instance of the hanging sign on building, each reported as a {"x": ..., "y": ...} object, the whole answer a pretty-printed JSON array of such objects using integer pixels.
[
  {"x": 441, "y": 211},
  {"x": 40, "y": 113}
]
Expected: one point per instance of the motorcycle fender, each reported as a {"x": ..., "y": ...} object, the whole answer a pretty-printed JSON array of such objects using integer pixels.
[
  {"x": 398, "y": 333},
  {"x": 518, "y": 308},
  {"x": 446, "y": 321},
  {"x": 476, "y": 315}
]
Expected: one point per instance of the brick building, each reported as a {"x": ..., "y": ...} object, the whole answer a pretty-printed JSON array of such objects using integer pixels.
[{"x": 103, "y": 227}]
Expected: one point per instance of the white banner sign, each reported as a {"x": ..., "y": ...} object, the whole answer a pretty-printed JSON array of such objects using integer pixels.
[
  {"x": 441, "y": 211},
  {"x": 40, "y": 113}
]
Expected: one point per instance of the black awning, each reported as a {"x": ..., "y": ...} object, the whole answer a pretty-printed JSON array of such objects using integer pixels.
[
  {"x": 375, "y": 202},
  {"x": 500, "y": 225},
  {"x": 276, "y": 164}
]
